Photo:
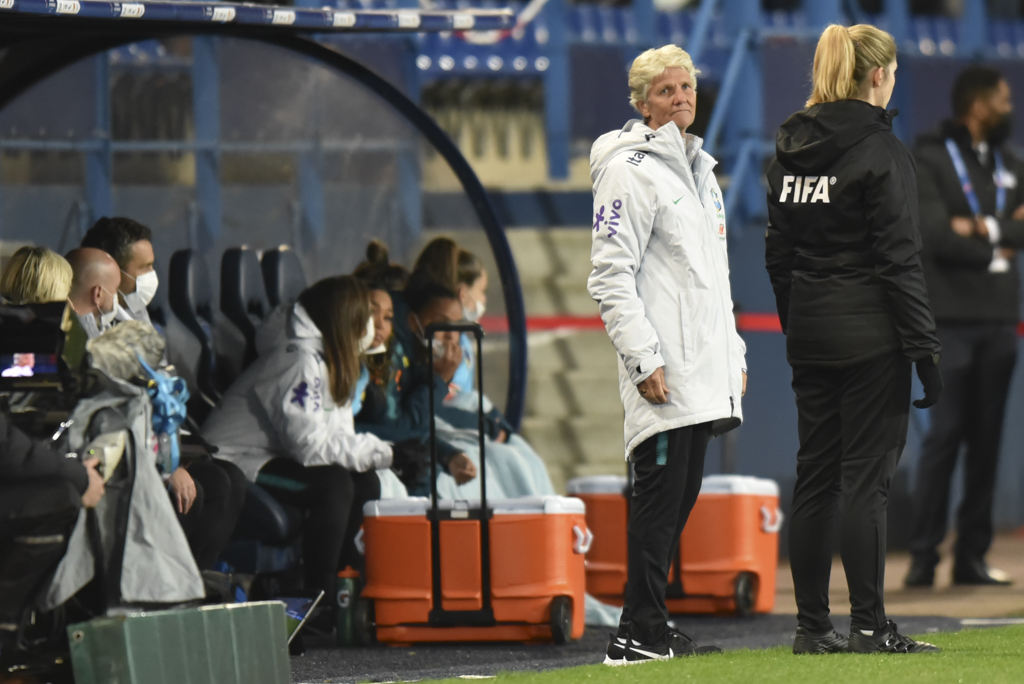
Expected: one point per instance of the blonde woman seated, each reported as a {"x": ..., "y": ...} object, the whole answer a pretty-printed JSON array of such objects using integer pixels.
[{"x": 35, "y": 275}]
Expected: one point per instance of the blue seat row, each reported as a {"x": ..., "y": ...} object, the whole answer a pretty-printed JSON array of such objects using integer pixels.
[
  {"x": 934, "y": 35},
  {"x": 1007, "y": 37}
]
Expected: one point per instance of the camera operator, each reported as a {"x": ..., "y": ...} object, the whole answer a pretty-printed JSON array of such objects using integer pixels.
[{"x": 41, "y": 492}]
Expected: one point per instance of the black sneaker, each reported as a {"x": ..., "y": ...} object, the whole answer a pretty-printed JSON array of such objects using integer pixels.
[
  {"x": 921, "y": 574},
  {"x": 682, "y": 646},
  {"x": 637, "y": 653},
  {"x": 616, "y": 653},
  {"x": 976, "y": 572},
  {"x": 807, "y": 642},
  {"x": 887, "y": 640}
]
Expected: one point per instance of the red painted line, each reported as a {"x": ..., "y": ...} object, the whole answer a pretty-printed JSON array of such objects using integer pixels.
[
  {"x": 758, "y": 322},
  {"x": 746, "y": 322}
]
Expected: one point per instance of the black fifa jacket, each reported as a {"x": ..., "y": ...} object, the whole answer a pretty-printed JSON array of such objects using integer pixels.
[
  {"x": 842, "y": 247},
  {"x": 959, "y": 283}
]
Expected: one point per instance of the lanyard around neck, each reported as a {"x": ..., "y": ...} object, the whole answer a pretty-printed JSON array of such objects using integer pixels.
[{"x": 965, "y": 180}]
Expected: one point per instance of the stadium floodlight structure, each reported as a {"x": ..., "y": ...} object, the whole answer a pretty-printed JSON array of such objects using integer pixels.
[{"x": 39, "y": 38}]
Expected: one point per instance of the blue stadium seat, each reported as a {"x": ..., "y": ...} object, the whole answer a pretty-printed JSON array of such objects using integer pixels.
[
  {"x": 282, "y": 275},
  {"x": 191, "y": 299},
  {"x": 243, "y": 297},
  {"x": 1001, "y": 37}
]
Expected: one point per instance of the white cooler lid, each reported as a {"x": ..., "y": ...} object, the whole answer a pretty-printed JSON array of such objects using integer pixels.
[
  {"x": 739, "y": 484},
  {"x": 597, "y": 484},
  {"x": 419, "y": 505}
]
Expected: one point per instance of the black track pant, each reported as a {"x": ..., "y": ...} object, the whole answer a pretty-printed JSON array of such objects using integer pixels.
[
  {"x": 668, "y": 469},
  {"x": 852, "y": 427},
  {"x": 977, "y": 364},
  {"x": 220, "y": 495},
  {"x": 36, "y": 519},
  {"x": 333, "y": 499}
]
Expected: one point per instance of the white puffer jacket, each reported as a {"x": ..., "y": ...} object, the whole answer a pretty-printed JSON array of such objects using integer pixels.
[
  {"x": 282, "y": 406},
  {"x": 661, "y": 278}
]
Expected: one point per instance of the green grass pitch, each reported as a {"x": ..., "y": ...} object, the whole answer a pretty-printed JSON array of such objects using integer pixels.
[{"x": 972, "y": 656}]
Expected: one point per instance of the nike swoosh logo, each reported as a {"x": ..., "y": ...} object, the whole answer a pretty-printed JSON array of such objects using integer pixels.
[{"x": 677, "y": 201}]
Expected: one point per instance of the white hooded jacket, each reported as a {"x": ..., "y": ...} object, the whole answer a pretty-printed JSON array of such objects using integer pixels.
[
  {"x": 282, "y": 406},
  {"x": 661, "y": 279}
]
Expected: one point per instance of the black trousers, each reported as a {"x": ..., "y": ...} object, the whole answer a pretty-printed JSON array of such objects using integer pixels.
[
  {"x": 36, "y": 520},
  {"x": 220, "y": 495},
  {"x": 668, "y": 469},
  {"x": 977, "y": 364},
  {"x": 333, "y": 499},
  {"x": 852, "y": 424}
]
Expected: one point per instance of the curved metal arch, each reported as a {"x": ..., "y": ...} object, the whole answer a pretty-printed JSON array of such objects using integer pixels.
[{"x": 16, "y": 78}]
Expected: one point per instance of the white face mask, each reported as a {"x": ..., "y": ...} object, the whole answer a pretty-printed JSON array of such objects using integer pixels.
[
  {"x": 436, "y": 345},
  {"x": 367, "y": 339},
  {"x": 145, "y": 289},
  {"x": 476, "y": 313},
  {"x": 379, "y": 349},
  {"x": 107, "y": 317}
]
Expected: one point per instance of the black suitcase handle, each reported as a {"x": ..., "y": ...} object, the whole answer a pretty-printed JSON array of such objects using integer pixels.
[{"x": 440, "y": 617}]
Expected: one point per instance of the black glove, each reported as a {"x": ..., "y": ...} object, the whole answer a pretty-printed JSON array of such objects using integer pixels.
[{"x": 928, "y": 372}]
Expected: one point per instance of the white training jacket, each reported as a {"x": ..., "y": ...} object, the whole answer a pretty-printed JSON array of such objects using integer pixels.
[
  {"x": 282, "y": 406},
  {"x": 661, "y": 278}
]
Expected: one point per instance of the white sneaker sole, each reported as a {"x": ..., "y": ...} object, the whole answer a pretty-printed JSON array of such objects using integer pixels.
[{"x": 612, "y": 662}]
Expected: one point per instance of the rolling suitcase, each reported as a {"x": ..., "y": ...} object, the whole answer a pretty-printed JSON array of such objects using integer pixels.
[
  {"x": 487, "y": 570},
  {"x": 728, "y": 552}
]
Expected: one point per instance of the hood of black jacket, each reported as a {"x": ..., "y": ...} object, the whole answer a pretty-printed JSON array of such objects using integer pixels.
[{"x": 812, "y": 139}]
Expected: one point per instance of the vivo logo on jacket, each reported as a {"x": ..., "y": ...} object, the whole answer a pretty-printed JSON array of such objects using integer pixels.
[{"x": 806, "y": 189}]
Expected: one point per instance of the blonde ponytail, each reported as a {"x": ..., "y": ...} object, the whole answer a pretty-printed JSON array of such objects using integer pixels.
[{"x": 844, "y": 57}]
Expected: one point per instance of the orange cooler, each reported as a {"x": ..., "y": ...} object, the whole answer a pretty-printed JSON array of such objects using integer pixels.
[
  {"x": 607, "y": 515},
  {"x": 729, "y": 548},
  {"x": 536, "y": 574}
]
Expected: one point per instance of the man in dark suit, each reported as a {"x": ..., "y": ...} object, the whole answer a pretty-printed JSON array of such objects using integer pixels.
[{"x": 971, "y": 225}]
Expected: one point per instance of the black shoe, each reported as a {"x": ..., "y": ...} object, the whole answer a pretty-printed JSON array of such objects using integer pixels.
[
  {"x": 887, "y": 640},
  {"x": 921, "y": 574},
  {"x": 976, "y": 572},
  {"x": 637, "y": 653},
  {"x": 682, "y": 646},
  {"x": 616, "y": 653},
  {"x": 825, "y": 642}
]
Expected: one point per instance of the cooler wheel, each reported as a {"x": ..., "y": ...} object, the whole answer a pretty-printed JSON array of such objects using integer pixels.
[
  {"x": 364, "y": 629},
  {"x": 561, "y": 619},
  {"x": 746, "y": 593}
]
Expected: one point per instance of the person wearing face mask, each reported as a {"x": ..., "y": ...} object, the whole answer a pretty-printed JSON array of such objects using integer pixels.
[
  {"x": 287, "y": 423},
  {"x": 972, "y": 223},
  {"x": 512, "y": 468},
  {"x": 443, "y": 261},
  {"x": 378, "y": 406},
  {"x": 94, "y": 284},
  {"x": 130, "y": 244}
]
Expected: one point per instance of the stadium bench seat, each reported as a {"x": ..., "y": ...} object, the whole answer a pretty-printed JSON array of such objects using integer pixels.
[
  {"x": 243, "y": 297},
  {"x": 282, "y": 275}
]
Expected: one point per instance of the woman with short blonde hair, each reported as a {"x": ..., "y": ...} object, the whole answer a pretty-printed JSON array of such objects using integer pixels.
[
  {"x": 661, "y": 280},
  {"x": 651, "y": 64},
  {"x": 843, "y": 254},
  {"x": 35, "y": 275}
]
